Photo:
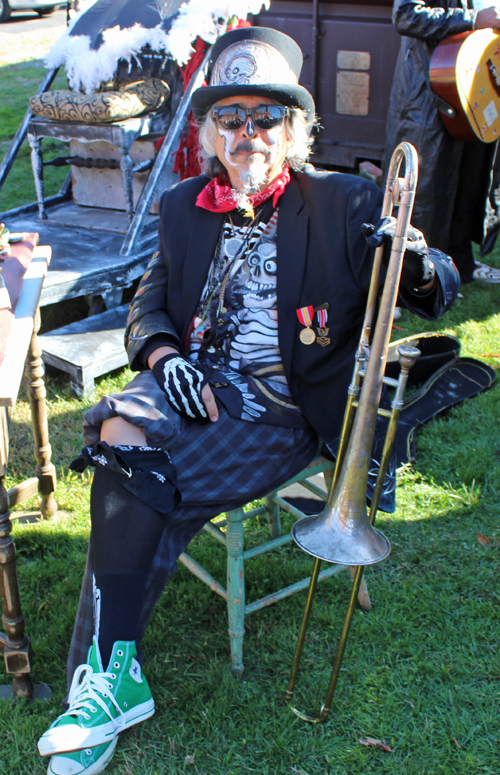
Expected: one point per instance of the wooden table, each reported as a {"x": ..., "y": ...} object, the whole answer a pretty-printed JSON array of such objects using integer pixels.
[{"x": 22, "y": 347}]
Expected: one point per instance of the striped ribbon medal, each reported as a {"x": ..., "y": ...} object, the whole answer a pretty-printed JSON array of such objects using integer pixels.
[
  {"x": 306, "y": 316},
  {"x": 322, "y": 317}
]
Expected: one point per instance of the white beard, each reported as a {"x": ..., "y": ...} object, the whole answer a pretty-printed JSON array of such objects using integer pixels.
[{"x": 253, "y": 179}]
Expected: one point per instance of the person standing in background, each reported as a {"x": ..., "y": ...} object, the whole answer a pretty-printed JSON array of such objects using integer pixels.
[{"x": 454, "y": 176}]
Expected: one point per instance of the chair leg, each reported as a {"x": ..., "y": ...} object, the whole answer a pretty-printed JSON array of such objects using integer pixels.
[
  {"x": 235, "y": 588},
  {"x": 363, "y": 595},
  {"x": 328, "y": 477},
  {"x": 273, "y": 516}
]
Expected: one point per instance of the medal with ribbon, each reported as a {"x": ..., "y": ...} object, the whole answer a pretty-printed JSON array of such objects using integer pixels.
[
  {"x": 306, "y": 316},
  {"x": 322, "y": 318}
]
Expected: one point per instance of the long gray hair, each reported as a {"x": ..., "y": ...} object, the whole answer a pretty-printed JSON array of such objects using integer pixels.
[{"x": 298, "y": 127}]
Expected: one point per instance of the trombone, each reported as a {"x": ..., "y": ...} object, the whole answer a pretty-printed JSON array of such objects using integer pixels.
[{"x": 343, "y": 532}]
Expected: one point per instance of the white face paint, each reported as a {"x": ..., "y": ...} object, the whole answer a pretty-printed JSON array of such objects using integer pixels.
[
  {"x": 229, "y": 145},
  {"x": 253, "y": 167}
]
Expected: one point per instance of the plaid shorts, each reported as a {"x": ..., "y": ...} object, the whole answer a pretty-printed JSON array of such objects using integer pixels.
[{"x": 219, "y": 466}]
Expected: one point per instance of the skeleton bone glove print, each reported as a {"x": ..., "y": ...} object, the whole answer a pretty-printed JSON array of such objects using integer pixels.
[{"x": 182, "y": 383}]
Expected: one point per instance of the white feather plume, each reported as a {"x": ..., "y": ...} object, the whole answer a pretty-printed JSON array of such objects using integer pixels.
[{"x": 87, "y": 68}]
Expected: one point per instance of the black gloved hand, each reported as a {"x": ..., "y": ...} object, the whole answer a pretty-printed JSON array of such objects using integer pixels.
[
  {"x": 417, "y": 269},
  {"x": 182, "y": 383}
]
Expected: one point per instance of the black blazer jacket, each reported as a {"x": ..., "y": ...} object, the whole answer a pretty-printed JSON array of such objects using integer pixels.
[{"x": 322, "y": 258}]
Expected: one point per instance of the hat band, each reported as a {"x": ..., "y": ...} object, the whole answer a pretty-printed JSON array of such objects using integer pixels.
[{"x": 251, "y": 62}]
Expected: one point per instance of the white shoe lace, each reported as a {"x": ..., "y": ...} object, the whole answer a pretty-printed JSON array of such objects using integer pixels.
[{"x": 87, "y": 690}]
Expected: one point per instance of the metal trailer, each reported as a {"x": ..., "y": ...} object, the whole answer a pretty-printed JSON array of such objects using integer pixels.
[
  {"x": 350, "y": 51},
  {"x": 96, "y": 250}
]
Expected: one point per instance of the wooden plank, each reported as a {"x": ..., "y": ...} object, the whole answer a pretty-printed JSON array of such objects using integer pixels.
[
  {"x": 85, "y": 260},
  {"x": 95, "y": 218},
  {"x": 11, "y": 370},
  {"x": 103, "y": 187},
  {"x": 88, "y": 348},
  {"x": 89, "y": 342},
  {"x": 71, "y": 130},
  {"x": 23, "y": 491}
]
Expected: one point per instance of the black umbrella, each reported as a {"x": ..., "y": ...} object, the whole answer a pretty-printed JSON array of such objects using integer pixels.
[{"x": 105, "y": 14}]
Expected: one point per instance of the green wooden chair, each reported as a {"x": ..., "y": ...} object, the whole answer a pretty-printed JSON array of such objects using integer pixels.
[{"x": 233, "y": 539}]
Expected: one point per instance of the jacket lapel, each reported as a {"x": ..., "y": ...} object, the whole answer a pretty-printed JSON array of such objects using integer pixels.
[
  {"x": 205, "y": 233},
  {"x": 291, "y": 255}
]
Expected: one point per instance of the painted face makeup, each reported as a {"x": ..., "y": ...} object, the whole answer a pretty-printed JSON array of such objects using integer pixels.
[
  {"x": 252, "y": 155},
  {"x": 266, "y": 143},
  {"x": 230, "y": 142}
]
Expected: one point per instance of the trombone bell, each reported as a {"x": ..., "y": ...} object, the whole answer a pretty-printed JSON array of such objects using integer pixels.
[{"x": 336, "y": 536}]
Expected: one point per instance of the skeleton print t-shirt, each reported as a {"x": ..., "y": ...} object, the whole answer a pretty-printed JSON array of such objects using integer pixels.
[{"x": 234, "y": 335}]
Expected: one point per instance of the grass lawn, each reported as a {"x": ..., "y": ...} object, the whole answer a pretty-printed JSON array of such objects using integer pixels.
[{"x": 422, "y": 669}]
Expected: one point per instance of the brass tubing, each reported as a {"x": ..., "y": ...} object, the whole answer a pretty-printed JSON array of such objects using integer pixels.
[
  {"x": 343, "y": 532},
  {"x": 325, "y": 710},
  {"x": 303, "y": 630},
  {"x": 408, "y": 356}
]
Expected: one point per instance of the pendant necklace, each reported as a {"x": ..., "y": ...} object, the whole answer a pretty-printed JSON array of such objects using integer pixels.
[{"x": 238, "y": 249}]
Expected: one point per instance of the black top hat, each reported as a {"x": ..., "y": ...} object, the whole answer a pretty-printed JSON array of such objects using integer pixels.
[{"x": 254, "y": 60}]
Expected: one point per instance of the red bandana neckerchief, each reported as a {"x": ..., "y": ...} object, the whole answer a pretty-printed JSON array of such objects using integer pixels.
[{"x": 217, "y": 196}]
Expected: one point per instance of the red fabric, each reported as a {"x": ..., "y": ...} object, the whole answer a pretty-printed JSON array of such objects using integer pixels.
[
  {"x": 194, "y": 60},
  {"x": 236, "y": 24},
  {"x": 217, "y": 196},
  {"x": 186, "y": 157},
  {"x": 14, "y": 267}
]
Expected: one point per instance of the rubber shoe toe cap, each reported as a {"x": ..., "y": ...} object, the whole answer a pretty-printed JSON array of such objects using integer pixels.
[{"x": 89, "y": 761}]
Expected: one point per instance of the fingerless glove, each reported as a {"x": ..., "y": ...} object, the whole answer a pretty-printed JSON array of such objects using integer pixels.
[{"x": 182, "y": 383}]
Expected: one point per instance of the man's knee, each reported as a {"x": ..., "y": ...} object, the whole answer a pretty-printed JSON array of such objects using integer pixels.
[{"x": 116, "y": 430}]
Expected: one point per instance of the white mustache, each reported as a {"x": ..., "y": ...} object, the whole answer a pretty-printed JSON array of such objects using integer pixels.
[{"x": 250, "y": 147}]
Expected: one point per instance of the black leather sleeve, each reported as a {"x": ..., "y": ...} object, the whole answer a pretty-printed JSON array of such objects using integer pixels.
[
  {"x": 147, "y": 316},
  {"x": 431, "y": 22},
  {"x": 431, "y": 304}
]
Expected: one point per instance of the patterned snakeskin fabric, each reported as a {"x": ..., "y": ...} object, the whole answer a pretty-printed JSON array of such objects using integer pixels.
[{"x": 102, "y": 107}]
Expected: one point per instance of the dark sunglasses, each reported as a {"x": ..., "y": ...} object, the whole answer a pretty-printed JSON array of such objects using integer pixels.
[{"x": 233, "y": 117}]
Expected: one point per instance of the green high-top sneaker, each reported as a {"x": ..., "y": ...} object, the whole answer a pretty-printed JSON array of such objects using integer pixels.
[
  {"x": 101, "y": 704},
  {"x": 89, "y": 761}
]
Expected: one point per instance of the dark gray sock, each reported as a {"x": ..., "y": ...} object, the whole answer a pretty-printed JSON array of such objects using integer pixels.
[{"x": 125, "y": 536}]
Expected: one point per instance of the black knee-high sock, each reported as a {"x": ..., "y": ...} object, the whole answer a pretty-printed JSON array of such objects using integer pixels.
[{"x": 125, "y": 536}]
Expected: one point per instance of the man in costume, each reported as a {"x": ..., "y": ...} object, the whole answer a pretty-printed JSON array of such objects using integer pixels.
[
  {"x": 454, "y": 177},
  {"x": 243, "y": 330}
]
